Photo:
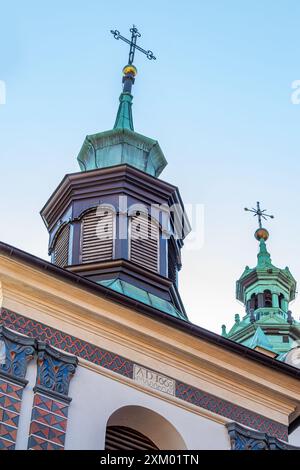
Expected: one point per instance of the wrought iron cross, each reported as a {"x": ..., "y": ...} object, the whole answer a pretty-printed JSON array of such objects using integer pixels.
[
  {"x": 132, "y": 43},
  {"x": 259, "y": 213}
]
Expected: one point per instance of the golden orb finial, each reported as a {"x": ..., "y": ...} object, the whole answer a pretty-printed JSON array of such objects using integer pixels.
[
  {"x": 261, "y": 233},
  {"x": 130, "y": 70}
]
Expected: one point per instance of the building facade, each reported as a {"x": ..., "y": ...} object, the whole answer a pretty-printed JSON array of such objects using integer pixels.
[{"x": 96, "y": 349}]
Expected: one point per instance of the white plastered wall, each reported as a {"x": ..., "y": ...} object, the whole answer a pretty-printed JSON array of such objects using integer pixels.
[
  {"x": 26, "y": 408},
  {"x": 294, "y": 438},
  {"x": 96, "y": 397}
]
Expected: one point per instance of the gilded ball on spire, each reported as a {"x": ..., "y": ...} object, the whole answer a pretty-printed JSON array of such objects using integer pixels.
[
  {"x": 130, "y": 70},
  {"x": 261, "y": 233}
]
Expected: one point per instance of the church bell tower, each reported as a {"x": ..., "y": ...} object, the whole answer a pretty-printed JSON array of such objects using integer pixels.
[
  {"x": 266, "y": 292},
  {"x": 115, "y": 222}
]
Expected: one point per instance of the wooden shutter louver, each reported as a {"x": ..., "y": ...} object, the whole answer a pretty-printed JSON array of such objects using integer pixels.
[
  {"x": 124, "y": 438},
  {"x": 97, "y": 236},
  {"x": 61, "y": 247},
  {"x": 144, "y": 242}
]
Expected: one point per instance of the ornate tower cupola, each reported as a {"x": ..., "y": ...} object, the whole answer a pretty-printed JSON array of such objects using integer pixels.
[
  {"x": 266, "y": 292},
  {"x": 115, "y": 222}
]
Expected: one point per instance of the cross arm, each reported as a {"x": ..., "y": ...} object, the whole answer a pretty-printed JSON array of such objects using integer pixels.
[{"x": 117, "y": 35}]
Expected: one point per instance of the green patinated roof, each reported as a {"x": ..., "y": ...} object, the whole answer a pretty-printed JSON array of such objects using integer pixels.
[
  {"x": 124, "y": 118},
  {"x": 265, "y": 273},
  {"x": 238, "y": 325},
  {"x": 273, "y": 326},
  {"x": 270, "y": 318},
  {"x": 143, "y": 296},
  {"x": 265, "y": 325},
  {"x": 122, "y": 145},
  {"x": 260, "y": 340},
  {"x": 263, "y": 261}
]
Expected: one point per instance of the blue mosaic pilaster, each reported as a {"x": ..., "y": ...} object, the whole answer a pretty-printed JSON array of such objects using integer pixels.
[
  {"x": 17, "y": 351},
  {"x": 51, "y": 401}
]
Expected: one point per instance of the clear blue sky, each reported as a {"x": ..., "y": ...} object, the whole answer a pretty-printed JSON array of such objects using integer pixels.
[{"x": 218, "y": 99}]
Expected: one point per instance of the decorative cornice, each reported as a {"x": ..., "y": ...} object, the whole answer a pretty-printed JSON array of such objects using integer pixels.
[
  {"x": 121, "y": 178},
  {"x": 253, "y": 276},
  {"x": 191, "y": 329},
  {"x": 19, "y": 351},
  {"x": 124, "y": 367},
  {"x": 247, "y": 439},
  {"x": 54, "y": 371}
]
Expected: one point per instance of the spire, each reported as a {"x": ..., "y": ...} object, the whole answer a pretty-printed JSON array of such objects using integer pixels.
[
  {"x": 124, "y": 116},
  {"x": 262, "y": 235},
  {"x": 266, "y": 291},
  {"x": 122, "y": 145},
  {"x": 263, "y": 257}
]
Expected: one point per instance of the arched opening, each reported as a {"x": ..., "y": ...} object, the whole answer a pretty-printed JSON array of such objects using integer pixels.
[
  {"x": 60, "y": 253},
  {"x": 253, "y": 302},
  {"x": 280, "y": 299},
  {"x": 138, "y": 428},
  {"x": 267, "y": 298},
  {"x": 123, "y": 437}
]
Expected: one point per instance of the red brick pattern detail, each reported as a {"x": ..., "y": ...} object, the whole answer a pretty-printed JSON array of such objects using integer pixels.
[
  {"x": 10, "y": 405},
  {"x": 35, "y": 443},
  {"x": 48, "y": 424},
  {"x": 230, "y": 410}
]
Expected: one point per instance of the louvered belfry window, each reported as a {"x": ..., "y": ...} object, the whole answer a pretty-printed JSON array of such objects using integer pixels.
[
  {"x": 61, "y": 247},
  {"x": 144, "y": 242},
  {"x": 97, "y": 235},
  {"x": 124, "y": 438}
]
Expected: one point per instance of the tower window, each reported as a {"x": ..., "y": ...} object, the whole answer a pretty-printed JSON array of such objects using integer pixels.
[
  {"x": 61, "y": 247},
  {"x": 285, "y": 339},
  {"x": 97, "y": 235},
  {"x": 144, "y": 242},
  {"x": 267, "y": 298},
  {"x": 253, "y": 302},
  {"x": 280, "y": 299}
]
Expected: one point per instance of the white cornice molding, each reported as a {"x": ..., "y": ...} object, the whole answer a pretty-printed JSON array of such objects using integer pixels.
[{"x": 141, "y": 339}]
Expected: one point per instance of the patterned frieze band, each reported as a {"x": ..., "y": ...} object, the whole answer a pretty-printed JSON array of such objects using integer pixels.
[{"x": 123, "y": 366}]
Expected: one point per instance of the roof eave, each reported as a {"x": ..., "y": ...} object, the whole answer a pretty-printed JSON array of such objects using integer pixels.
[{"x": 157, "y": 315}]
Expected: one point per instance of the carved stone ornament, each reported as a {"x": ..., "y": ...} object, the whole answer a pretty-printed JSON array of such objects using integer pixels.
[
  {"x": 17, "y": 351},
  {"x": 246, "y": 439},
  {"x": 55, "y": 370}
]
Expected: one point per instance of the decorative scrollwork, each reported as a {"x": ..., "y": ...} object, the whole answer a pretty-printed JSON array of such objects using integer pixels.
[
  {"x": 116, "y": 33},
  {"x": 150, "y": 55},
  {"x": 55, "y": 369},
  {"x": 247, "y": 439},
  {"x": 19, "y": 350},
  {"x": 135, "y": 31}
]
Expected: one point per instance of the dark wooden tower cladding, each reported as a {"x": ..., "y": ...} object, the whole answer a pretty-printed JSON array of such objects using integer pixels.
[{"x": 101, "y": 226}]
